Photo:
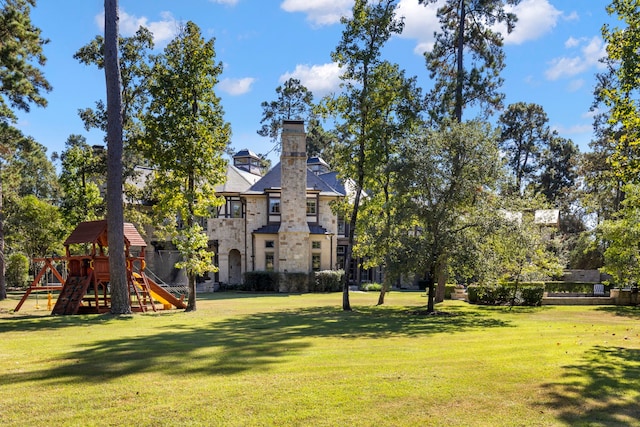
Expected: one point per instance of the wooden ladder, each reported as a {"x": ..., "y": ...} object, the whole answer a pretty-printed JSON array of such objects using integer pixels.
[
  {"x": 71, "y": 295},
  {"x": 140, "y": 289}
]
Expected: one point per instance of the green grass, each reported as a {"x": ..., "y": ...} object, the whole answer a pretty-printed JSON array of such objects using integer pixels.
[{"x": 298, "y": 360}]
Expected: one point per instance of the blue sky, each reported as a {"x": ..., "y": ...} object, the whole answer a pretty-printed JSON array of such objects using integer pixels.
[{"x": 551, "y": 57}]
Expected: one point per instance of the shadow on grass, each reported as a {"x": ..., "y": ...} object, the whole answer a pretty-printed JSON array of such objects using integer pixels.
[
  {"x": 623, "y": 311},
  {"x": 601, "y": 389},
  {"x": 234, "y": 345}
]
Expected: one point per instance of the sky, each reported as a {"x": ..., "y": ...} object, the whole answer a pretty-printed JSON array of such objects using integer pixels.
[{"x": 551, "y": 57}]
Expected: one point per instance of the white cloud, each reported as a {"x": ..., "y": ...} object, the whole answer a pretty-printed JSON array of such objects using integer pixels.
[
  {"x": 236, "y": 86},
  {"x": 163, "y": 30},
  {"x": 574, "y": 130},
  {"x": 319, "y": 12},
  {"x": 420, "y": 22},
  {"x": 319, "y": 79},
  {"x": 575, "y": 85},
  {"x": 571, "y": 42},
  {"x": 227, "y": 2},
  {"x": 535, "y": 19},
  {"x": 573, "y": 16},
  {"x": 591, "y": 50}
]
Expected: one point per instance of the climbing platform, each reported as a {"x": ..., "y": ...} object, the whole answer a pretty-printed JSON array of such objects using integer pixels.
[{"x": 86, "y": 287}]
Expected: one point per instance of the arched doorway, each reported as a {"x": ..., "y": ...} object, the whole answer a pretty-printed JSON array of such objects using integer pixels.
[{"x": 235, "y": 267}]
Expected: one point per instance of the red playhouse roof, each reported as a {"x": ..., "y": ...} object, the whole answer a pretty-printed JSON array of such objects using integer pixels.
[{"x": 96, "y": 232}]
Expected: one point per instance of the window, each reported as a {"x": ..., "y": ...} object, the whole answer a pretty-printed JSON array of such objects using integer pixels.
[
  {"x": 315, "y": 244},
  {"x": 268, "y": 261},
  {"x": 203, "y": 222},
  {"x": 235, "y": 208},
  {"x": 315, "y": 262},
  {"x": 342, "y": 226},
  {"x": 269, "y": 244},
  {"x": 274, "y": 206},
  {"x": 231, "y": 209},
  {"x": 311, "y": 207}
]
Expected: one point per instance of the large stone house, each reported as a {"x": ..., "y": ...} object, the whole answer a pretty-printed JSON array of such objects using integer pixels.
[{"x": 281, "y": 221}]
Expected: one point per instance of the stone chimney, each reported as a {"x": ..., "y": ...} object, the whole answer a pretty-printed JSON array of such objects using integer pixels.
[{"x": 293, "y": 235}]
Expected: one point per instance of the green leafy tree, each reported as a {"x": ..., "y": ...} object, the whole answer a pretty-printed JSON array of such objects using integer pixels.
[
  {"x": 115, "y": 212},
  {"x": 36, "y": 227},
  {"x": 399, "y": 103},
  {"x": 355, "y": 110},
  {"x": 468, "y": 26},
  {"x": 134, "y": 63},
  {"x": 447, "y": 182},
  {"x": 601, "y": 190},
  {"x": 295, "y": 102},
  {"x": 621, "y": 235},
  {"x": 524, "y": 133},
  {"x": 520, "y": 253},
  {"x": 186, "y": 136},
  {"x": 22, "y": 83},
  {"x": 83, "y": 170},
  {"x": 24, "y": 170},
  {"x": 558, "y": 171},
  {"x": 18, "y": 270},
  {"x": 618, "y": 90}
]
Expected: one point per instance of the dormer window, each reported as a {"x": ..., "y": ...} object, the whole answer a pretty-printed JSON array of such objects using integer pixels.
[
  {"x": 248, "y": 161},
  {"x": 274, "y": 207},
  {"x": 312, "y": 209}
]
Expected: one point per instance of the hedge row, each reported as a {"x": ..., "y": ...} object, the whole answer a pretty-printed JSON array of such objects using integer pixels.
[
  {"x": 525, "y": 293},
  {"x": 267, "y": 281},
  {"x": 571, "y": 287}
]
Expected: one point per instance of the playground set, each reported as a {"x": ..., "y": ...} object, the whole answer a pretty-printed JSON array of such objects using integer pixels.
[{"x": 85, "y": 289}]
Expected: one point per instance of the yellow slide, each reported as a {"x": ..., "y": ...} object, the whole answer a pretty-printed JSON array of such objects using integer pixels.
[{"x": 162, "y": 296}]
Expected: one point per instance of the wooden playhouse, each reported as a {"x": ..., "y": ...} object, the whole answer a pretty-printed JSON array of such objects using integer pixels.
[{"x": 84, "y": 286}]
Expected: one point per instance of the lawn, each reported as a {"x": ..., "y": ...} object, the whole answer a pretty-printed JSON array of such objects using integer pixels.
[{"x": 298, "y": 360}]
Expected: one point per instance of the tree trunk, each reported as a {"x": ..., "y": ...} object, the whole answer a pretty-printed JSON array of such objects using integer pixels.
[
  {"x": 383, "y": 292},
  {"x": 431, "y": 289},
  {"x": 346, "y": 305},
  {"x": 460, "y": 65},
  {"x": 191, "y": 302},
  {"x": 442, "y": 283},
  {"x": 3, "y": 266},
  {"x": 115, "y": 212}
]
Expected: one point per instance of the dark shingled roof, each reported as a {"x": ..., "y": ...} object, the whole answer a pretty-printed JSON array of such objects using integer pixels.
[
  {"x": 273, "y": 180},
  {"x": 273, "y": 229},
  {"x": 96, "y": 232}
]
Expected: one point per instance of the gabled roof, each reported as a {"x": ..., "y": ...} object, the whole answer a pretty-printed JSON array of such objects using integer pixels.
[
  {"x": 274, "y": 228},
  {"x": 96, "y": 232},
  {"x": 237, "y": 181},
  {"x": 246, "y": 153},
  {"x": 273, "y": 180}
]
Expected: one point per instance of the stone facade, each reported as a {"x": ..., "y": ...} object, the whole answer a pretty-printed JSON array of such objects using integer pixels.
[
  {"x": 281, "y": 221},
  {"x": 293, "y": 235}
]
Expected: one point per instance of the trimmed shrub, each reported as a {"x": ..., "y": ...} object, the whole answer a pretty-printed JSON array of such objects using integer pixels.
[
  {"x": 448, "y": 290},
  {"x": 260, "y": 281},
  {"x": 371, "y": 287},
  {"x": 17, "y": 273},
  {"x": 472, "y": 294},
  {"x": 571, "y": 287},
  {"x": 527, "y": 293},
  {"x": 294, "y": 282},
  {"x": 531, "y": 295},
  {"x": 327, "y": 281}
]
